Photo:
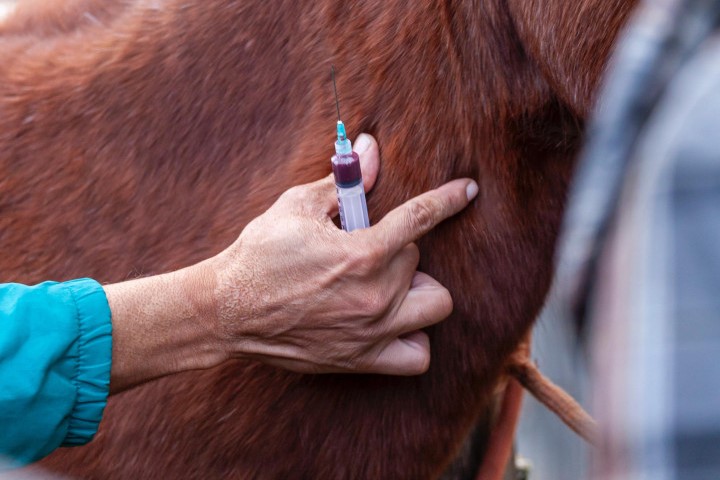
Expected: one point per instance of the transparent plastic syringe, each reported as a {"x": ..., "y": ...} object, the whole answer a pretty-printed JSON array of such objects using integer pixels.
[
  {"x": 349, "y": 184},
  {"x": 348, "y": 179}
]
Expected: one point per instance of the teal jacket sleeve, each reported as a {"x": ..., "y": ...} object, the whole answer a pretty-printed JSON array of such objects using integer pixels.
[{"x": 55, "y": 352}]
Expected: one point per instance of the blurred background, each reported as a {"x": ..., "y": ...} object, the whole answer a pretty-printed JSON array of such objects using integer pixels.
[{"x": 550, "y": 449}]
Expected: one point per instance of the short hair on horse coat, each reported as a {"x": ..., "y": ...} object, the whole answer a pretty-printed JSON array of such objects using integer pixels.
[{"x": 145, "y": 140}]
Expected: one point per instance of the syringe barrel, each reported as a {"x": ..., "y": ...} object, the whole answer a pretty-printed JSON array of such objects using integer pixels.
[
  {"x": 350, "y": 192},
  {"x": 353, "y": 207}
]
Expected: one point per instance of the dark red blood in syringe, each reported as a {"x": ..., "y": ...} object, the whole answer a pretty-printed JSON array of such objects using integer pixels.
[{"x": 347, "y": 170}]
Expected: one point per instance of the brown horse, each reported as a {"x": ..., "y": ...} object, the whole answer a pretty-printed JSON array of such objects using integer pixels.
[{"x": 137, "y": 137}]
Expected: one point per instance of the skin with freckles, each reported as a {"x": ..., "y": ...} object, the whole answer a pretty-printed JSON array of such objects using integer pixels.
[{"x": 149, "y": 144}]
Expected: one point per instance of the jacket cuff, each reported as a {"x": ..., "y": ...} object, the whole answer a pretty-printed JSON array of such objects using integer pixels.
[{"x": 92, "y": 369}]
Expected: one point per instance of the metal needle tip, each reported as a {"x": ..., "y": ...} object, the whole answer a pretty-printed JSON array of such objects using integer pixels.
[{"x": 337, "y": 103}]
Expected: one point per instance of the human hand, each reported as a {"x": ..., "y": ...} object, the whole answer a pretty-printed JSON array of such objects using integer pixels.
[
  {"x": 297, "y": 292},
  {"x": 293, "y": 291}
]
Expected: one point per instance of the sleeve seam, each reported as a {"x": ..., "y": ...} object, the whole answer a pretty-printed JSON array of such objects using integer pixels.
[{"x": 81, "y": 345}]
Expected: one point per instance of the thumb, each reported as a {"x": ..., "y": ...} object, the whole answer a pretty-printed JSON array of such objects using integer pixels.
[
  {"x": 407, "y": 355},
  {"x": 321, "y": 193},
  {"x": 367, "y": 149}
]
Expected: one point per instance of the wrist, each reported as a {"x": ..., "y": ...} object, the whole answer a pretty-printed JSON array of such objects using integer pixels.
[
  {"x": 235, "y": 303},
  {"x": 199, "y": 286},
  {"x": 162, "y": 325}
]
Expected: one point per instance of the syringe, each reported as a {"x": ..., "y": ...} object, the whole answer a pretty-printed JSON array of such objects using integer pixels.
[{"x": 348, "y": 178}]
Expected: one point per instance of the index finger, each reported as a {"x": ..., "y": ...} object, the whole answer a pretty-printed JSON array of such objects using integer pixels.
[{"x": 419, "y": 215}]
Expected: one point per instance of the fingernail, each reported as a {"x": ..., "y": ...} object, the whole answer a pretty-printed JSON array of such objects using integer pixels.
[
  {"x": 362, "y": 143},
  {"x": 472, "y": 190}
]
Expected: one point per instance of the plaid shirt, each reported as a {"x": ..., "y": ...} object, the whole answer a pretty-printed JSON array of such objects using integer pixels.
[{"x": 640, "y": 254}]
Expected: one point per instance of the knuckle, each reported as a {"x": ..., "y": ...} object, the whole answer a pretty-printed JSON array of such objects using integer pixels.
[
  {"x": 320, "y": 188},
  {"x": 292, "y": 194},
  {"x": 365, "y": 364},
  {"x": 351, "y": 362},
  {"x": 359, "y": 359},
  {"x": 375, "y": 256},
  {"x": 376, "y": 303},
  {"x": 366, "y": 261},
  {"x": 444, "y": 302},
  {"x": 422, "y": 214}
]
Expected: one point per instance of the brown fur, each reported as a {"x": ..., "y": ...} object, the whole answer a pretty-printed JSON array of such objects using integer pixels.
[{"x": 146, "y": 146}]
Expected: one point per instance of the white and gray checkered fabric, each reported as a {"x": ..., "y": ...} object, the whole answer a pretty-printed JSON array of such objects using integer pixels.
[{"x": 640, "y": 255}]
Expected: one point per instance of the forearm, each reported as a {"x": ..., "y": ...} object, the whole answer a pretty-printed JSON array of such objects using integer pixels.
[{"x": 162, "y": 325}]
